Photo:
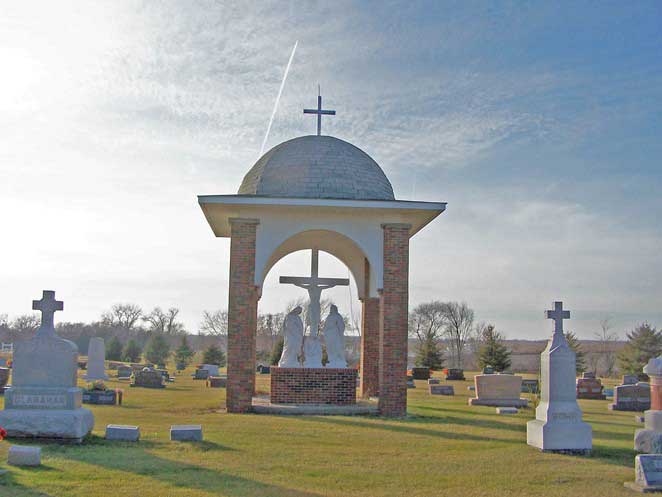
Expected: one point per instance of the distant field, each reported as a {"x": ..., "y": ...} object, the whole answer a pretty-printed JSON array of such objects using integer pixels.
[{"x": 443, "y": 447}]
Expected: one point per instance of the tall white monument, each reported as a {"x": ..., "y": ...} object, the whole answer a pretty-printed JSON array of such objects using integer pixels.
[
  {"x": 96, "y": 356},
  {"x": 558, "y": 426},
  {"x": 44, "y": 400},
  {"x": 312, "y": 346}
]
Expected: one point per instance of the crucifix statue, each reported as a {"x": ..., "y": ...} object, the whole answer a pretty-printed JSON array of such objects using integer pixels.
[
  {"x": 320, "y": 112},
  {"x": 314, "y": 285},
  {"x": 47, "y": 305}
]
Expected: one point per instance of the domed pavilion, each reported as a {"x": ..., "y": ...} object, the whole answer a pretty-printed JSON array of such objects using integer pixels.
[{"x": 324, "y": 194}]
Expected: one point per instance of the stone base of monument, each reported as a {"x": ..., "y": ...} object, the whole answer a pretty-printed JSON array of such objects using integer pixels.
[
  {"x": 560, "y": 437},
  {"x": 330, "y": 386},
  {"x": 56, "y": 424},
  {"x": 648, "y": 440},
  {"x": 499, "y": 402},
  {"x": 262, "y": 405}
]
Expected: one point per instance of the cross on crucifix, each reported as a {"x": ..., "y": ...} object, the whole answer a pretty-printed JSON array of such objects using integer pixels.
[
  {"x": 48, "y": 306},
  {"x": 320, "y": 112},
  {"x": 314, "y": 285},
  {"x": 558, "y": 315}
]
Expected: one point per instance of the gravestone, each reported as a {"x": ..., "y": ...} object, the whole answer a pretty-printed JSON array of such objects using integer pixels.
[
  {"x": 649, "y": 440},
  {"x": 630, "y": 379},
  {"x": 588, "y": 375},
  {"x": 442, "y": 390},
  {"x": 498, "y": 390},
  {"x": 506, "y": 410},
  {"x": 589, "y": 388},
  {"x": 100, "y": 397},
  {"x": 647, "y": 473},
  {"x": 124, "y": 372},
  {"x": 410, "y": 382},
  {"x": 488, "y": 370},
  {"x": 262, "y": 369},
  {"x": 530, "y": 386},
  {"x": 123, "y": 433},
  {"x": 186, "y": 433},
  {"x": 201, "y": 374},
  {"x": 212, "y": 368},
  {"x": 148, "y": 378},
  {"x": 631, "y": 398},
  {"x": 455, "y": 374},
  {"x": 217, "y": 381},
  {"x": 20, "y": 455},
  {"x": 4, "y": 379},
  {"x": 3, "y": 362},
  {"x": 558, "y": 426},
  {"x": 434, "y": 381},
  {"x": 44, "y": 400},
  {"x": 96, "y": 357}
]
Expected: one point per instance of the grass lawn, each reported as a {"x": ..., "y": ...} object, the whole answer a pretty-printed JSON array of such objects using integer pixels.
[{"x": 444, "y": 447}]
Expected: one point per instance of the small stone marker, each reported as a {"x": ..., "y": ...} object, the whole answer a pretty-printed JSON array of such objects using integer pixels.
[
  {"x": 442, "y": 390},
  {"x": 217, "y": 381},
  {"x": 21, "y": 455},
  {"x": 124, "y": 433},
  {"x": 647, "y": 473},
  {"x": 455, "y": 375},
  {"x": 124, "y": 372},
  {"x": 530, "y": 386},
  {"x": 201, "y": 374},
  {"x": 630, "y": 379},
  {"x": 410, "y": 382},
  {"x": 186, "y": 433},
  {"x": 96, "y": 356},
  {"x": 488, "y": 370},
  {"x": 506, "y": 410},
  {"x": 434, "y": 381},
  {"x": 471, "y": 388}
]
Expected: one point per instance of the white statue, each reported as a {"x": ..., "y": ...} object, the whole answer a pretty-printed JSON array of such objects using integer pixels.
[
  {"x": 312, "y": 351},
  {"x": 334, "y": 337},
  {"x": 293, "y": 339}
]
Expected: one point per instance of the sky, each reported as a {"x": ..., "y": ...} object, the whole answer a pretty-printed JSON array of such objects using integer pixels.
[{"x": 539, "y": 123}]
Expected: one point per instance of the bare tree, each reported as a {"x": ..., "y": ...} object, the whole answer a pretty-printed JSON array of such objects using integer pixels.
[
  {"x": 606, "y": 338},
  {"x": 164, "y": 322},
  {"x": 459, "y": 323},
  {"x": 269, "y": 325},
  {"x": 23, "y": 326},
  {"x": 123, "y": 316},
  {"x": 427, "y": 321},
  {"x": 214, "y": 323}
]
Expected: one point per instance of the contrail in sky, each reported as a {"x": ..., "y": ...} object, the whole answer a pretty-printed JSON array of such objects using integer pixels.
[{"x": 280, "y": 91}]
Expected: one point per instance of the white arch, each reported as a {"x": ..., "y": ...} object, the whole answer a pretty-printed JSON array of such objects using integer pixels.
[{"x": 334, "y": 243}]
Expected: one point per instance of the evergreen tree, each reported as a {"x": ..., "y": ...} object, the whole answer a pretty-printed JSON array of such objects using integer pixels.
[
  {"x": 183, "y": 354},
  {"x": 132, "y": 351},
  {"x": 493, "y": 352},
  {"x": 157, "y": 349},
  {"x": 214, "y": 355},
  {"x": 277, "y": 351},
  {"x": 644, "y": 343},
  {"x": 114, "y": 349},
  {"x": 429, "y": 354},
  {"x": 580, "y": 360}
]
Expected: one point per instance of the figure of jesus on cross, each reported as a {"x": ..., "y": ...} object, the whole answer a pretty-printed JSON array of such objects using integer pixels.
[{"x": 314, "y": 285}]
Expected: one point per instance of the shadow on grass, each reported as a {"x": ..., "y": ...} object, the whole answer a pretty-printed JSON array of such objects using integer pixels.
[
  {"x": 614, "y": 455},
  {"x": 136, "y": 460},
  {"x": 405, "y": 426},
  {"x": 205, "y": 445},
  {"x": 482, "y": 423},
  {"x": 8, "y": 481}
]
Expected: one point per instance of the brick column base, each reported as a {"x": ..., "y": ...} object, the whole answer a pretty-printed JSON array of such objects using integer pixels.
[
  {"x": 242, "y": 316},
  {"x": 370, "y": 348},
  {"x": 393, "y": 322}
]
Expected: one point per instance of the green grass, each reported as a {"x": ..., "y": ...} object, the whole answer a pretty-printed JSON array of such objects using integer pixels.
[{"x": 443, "y": 447}]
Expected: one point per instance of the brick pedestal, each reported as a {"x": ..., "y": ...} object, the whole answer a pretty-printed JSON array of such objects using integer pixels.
[
  {"x": 393, "y": 322},
  {"x": 242, "y": 316},
  {"x": 370, "y": 348},
  {"x": 332, "y": 386}
]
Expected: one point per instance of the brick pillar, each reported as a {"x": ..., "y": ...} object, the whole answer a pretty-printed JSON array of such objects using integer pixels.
[
  {"x": 393, "y": 319},
  {"x": 370, "y": 347},
  {"x": 242, "y": 316}
]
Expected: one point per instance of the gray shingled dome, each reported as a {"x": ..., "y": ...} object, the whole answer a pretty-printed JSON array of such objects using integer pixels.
[{"x": 317, "y": 167}]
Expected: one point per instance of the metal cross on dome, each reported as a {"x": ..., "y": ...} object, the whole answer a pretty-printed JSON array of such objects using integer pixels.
[
  {"x": 320, "y": 112},
  {"x": 47, "y": 305},
  {"x": 558, "y": 315}
]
